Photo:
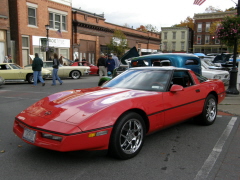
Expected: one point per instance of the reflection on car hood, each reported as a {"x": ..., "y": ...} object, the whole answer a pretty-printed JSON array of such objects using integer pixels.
[{"x": 83, "y": 102}]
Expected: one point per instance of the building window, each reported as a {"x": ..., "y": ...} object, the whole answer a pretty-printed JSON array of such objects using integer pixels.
[
  {"x": 217, "y": 41},
  {"x": 199, "y": 39},
  {"x": 182, "y": 46},
  {"x": 173, "y": 46},
  {"x": 207, "y": 39},
  {"x": 165, "y": 35},
  {"x": 32, "y": 18},
  {"x": 207, "y": 26},
  {"x": 165, "y": 46},
  {"x": 183, "y": 34},
  {"x": 57, "y": 21},
  {"x": 174, "y": 35},
  {"x": 199, "y": 28}
]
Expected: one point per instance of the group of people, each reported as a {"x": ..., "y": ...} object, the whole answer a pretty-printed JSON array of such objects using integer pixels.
[
  {"x": 8, "y": 59},
  {"x": 107, "y": 64},
  {"x": 37, "y": 70}
]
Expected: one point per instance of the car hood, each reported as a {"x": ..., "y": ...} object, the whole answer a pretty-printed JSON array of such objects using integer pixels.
[{"x": 83, "y": 102}]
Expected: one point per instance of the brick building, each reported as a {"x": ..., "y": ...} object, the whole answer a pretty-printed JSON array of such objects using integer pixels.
[
  {"x": 91, "y": 34},
  {"x": 4, "y": 30},
  {"x": 204, "y": 41},
  {"x": 177, "y": 39},
  {"x": 28, "y": 28}
]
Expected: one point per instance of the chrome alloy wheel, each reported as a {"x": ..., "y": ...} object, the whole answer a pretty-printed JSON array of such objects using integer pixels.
[
  {"x": 131, "y": 136},
  {"x": 211, "y": 110}
]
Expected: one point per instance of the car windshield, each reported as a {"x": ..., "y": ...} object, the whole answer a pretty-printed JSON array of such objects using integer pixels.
[
  {"x": 15, "y": 66},
  {"x": 141, "y": 79}
]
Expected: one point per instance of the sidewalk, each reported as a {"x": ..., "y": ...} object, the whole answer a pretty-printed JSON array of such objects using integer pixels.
[{"x": 231, "y": 105}]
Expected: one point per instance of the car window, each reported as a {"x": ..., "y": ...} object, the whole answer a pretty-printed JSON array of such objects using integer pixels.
[
  {"x": 182, "y": 78},
  {"x": 47, "y": 64},
  {"x": 191, "y": 62},
  {"x": 148, "y": 80},
  {"x": 15, "y": 66},
  {"x": 200, "y": 77},
  {"x": 3, "y": 67}
]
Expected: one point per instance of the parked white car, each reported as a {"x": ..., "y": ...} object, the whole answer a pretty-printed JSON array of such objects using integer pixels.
[
  {"x": 216, "y": 74},
  {"x": 75, "y": 72}
]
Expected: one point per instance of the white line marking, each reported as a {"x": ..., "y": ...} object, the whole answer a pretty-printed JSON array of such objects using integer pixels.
[{"x": 212, "y": 158}]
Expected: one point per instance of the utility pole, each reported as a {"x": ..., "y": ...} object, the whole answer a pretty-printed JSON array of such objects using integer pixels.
[{"x": 232, "y": 88}]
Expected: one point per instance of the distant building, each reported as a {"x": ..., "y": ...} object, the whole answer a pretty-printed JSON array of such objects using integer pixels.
[
  {"x": 176, "y": 39},
  {"x": 91, "y": 34},
  {"x": 204, "y": 41},
  {"x": 4, "y": 30},
  {"x": 28, "y": 20}
]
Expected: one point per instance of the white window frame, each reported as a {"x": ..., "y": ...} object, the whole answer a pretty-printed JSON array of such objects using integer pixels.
[
  {"x": 165, "y": 45},
  {"x": 182, "y": 45},
  {"x": 34, "y": 7},
  {"x": 174, "y": 46},
  {"x": 174, "y": 35},
  {"x": 183, "y": 34},
  {"x": 52, "y": 22},
  {"x": 199, "y": 27},
  {"x": 165, "y": 35},
  {"x": 207, "y": 27}
]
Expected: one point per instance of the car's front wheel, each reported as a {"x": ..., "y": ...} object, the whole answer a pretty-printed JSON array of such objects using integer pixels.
[
  {"x": 30, "y": 78},
  {"x": 127, "y": 136},
  {"x": 75, "y": 74},
  {"x": 209, "y": 112}
]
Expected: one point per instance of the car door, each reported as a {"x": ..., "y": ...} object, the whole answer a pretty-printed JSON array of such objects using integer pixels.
[{"x": 184, "y": 104}]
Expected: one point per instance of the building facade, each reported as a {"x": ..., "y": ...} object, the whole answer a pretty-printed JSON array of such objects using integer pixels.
[
  {"x": 91, "y": 34},
  {"x": 4, "y": 30},
  {"x": 176, "y": 39},
  {"x": 205, "y": 41},
  {"x": 29, "y": 32}
]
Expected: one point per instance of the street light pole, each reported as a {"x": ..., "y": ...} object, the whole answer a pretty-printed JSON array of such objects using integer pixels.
[
  {"x": 47, "y": 51},
  {"x": 233, "y": 72}
]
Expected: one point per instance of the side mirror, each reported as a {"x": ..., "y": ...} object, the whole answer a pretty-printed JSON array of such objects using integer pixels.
[{"x": 176, "y": 88}]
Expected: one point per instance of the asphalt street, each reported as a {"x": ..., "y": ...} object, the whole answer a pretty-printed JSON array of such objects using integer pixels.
[{"x": 184, "y": 152}]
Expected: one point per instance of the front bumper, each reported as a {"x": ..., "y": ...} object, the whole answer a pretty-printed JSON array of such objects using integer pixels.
[{"x": 70, "y": 141}]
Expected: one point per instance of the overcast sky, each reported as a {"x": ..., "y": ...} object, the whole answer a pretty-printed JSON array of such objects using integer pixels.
[{"x": 159, "y": 13}]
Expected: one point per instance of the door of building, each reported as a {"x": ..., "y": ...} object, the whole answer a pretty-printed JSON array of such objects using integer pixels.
[{"x": 25, "y": 57}]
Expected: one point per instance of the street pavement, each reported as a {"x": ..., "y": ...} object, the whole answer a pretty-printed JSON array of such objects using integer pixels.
[{"x": 231, "y": 163}]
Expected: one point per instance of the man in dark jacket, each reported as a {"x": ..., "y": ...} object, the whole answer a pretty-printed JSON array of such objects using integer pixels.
[
  {"x": 101, "y": 64},
  {"x": 37, "y": 70}
]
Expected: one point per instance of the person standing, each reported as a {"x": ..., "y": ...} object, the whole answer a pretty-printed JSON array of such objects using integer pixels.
[
  {"x": 55, "y": 70},
  {"x": 37, "y": 70},
  {"x": 10, "y": 59},
  {"x": 116, "y": 60},
  {"x": 5, "y": 59},
  {"x": 110, "y": 64},
  {"x": 101, "y": 64}
]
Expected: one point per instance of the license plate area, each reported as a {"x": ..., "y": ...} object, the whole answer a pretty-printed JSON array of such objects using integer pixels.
[{"x": 29, "y": 135}]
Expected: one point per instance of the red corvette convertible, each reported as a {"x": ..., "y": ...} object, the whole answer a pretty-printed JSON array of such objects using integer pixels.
[{"x": 118, "y": 115}]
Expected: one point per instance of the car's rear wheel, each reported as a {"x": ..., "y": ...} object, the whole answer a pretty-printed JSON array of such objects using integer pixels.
[
  {"x": 209, "y": 112},
  {"x": 30, "y": 78},
  {"x": 127, "y": 136},
  {"x": 75, "y": 74}
]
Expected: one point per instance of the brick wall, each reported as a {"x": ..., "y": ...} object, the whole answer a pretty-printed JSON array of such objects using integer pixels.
[{"x": 4, "y": 16}]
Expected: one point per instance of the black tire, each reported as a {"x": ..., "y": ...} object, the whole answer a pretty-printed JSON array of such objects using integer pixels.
[
  {"x": 209, "y": 112},
  {"x": 128, "y": 136},
  {"x": 30, "y": 78},
  {"x": 75, "y": 74}
]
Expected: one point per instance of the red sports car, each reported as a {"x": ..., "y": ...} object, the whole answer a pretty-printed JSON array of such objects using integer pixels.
[
  {"x": 118, "y": 115},
  {"x": 93, "y": 68}
]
